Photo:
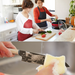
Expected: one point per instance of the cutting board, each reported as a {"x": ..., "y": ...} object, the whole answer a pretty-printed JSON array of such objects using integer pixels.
[
  {"x": 48, "y": 36},
  {"x": 68, "y": 35}
]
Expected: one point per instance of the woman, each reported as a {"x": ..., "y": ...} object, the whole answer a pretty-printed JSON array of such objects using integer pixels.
[
  {"x": 25, "y": 24},
  {"x": 40, "y": 14}
]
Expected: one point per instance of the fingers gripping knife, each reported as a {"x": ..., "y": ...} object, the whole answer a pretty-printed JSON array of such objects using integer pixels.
[{"x": 31, "y": 57}]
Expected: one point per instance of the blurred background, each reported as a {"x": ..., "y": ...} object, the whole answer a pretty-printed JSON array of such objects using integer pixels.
[{"x": 15, "y": 66}]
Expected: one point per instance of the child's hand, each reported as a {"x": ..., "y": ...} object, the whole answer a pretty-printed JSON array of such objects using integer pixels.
[
  {"x": 49, "y": 20},
  {"x": 4, "y": 52}
]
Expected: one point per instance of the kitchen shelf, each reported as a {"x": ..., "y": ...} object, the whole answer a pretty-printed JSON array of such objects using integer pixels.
[{"x": 12, "y": 2}]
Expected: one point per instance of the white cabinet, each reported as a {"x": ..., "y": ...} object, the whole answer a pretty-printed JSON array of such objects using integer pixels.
[
  {"x": 9, "y": 33},
  {"x": 12, "y": 2},
  {"x": 1, "y": 37}
]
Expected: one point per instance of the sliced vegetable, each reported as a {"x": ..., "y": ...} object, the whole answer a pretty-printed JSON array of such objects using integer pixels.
[
  {"x": 43, "y": 35},
  {"x": 49, "y": 31},
  {"x": 55, "y": 19},
  {"x": 60, "y": 33}
]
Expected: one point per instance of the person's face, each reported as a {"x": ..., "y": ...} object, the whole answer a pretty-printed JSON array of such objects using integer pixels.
[{"x": 40, "y": 3}]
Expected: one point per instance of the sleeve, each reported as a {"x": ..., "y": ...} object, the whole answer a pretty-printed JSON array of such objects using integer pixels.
[
  {"x": 21, "y": 29},
  {"x": 35, "y": 26},
  {"x": 36, "y": 16},
  {"x": 48, "y": 12}
]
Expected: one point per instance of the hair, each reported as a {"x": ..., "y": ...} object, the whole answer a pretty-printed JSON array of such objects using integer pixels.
[
  {"x": 40, "y": 0},
  {"x": 27, "y": 4}
]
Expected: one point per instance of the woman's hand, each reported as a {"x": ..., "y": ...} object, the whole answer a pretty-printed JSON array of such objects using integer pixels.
[
  {"x": 35, "y": 31},
  {"x": 40, "y": 29},
  {"x": 47, "y": 71},
  {"x": 3, "y": 74},
  {"x": 56, "y": 16},
  {"x": 4, "y": 52},
  {"x": 49, "y": 20}
]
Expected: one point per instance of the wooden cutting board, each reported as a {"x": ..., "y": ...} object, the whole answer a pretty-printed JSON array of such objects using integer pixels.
[
  {"x": 48, "y": 36},
  {"x": 68, "y": 35}
]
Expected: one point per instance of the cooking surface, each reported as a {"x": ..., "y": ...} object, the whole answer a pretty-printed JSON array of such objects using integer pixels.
[
  {"x": 68, "y": 35},
  {"x": 22, "y": 68},
  {"x": 19, "y": 68},
  {"x": 51, "y": 39},
  {"x": 7, "y": 26}
]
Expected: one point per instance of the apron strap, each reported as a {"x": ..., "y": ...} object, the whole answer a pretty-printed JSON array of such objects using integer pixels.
[
  {"x": 44, "y": 9},
  {"x": 39, "y": 9}
]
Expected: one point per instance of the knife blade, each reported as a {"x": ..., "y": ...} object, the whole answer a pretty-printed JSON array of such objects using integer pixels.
[
  {"x": 31, "y": 57},
  {"x": 42, "y": 32}
]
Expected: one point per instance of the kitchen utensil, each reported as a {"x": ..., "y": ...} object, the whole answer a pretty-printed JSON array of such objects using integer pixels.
[
  {"x": 67, "y": 20},
  {"x": 48, "y": 36},
  {"x": 42, "y": 32},
  {"x": 58, "y": 24},
  {"x": 62, "y": 25},
  {"x": 73, "y": 22},
  {"x": 31, "y": 57}
]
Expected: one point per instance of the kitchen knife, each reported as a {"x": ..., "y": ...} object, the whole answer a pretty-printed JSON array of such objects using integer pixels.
[
  {"x": 43, "y": 32},
  {"x": 31, "y": 57}
]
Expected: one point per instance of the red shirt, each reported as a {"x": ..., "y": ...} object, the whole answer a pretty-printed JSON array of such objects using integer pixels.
[{"x": 37, "y": 13}]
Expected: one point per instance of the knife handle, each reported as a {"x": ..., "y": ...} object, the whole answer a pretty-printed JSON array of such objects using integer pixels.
[{"x": 14, "y": 51}]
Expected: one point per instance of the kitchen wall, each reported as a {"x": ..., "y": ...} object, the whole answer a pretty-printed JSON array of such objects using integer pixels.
[
  {"x": 6, "y": 11},
  {"x": 0, "y": 6},
  {"x": 0, "y": 12},
  {"x": 62, "y": 8}
]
